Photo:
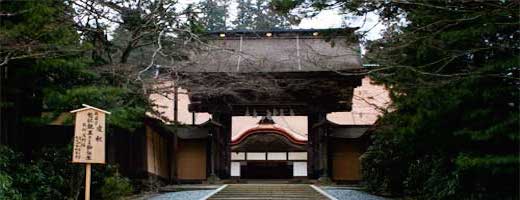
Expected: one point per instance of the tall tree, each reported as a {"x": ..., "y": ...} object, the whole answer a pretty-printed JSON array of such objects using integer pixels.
[
  {"x": 266, "y": 18},
  {"x": 259, "y": 15},
  {"x": 58, "y": 54},
  {"x": 214, "y": 14},
  {"x": 452, "y": 70},
  {"x": 245, "y": 16},
  {"x": 44, "y": 68},
  {"x": 40, "y": 50},
  {"x": 51, "y": 62}
]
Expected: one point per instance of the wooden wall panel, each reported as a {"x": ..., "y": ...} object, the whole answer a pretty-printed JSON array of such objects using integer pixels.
[
  {"x": 346, "y": 165},
  {"x": 157, "y": 153},
  {"x": 191, "y": 160}
]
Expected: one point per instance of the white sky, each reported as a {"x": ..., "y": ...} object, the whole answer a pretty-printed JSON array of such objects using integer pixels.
[
  {"x": 333, "y": 19},
  {"x": 325, "y": 19}
]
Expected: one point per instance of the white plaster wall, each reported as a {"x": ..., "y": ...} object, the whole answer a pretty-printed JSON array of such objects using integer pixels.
[
  {"x": 276, "y": 156},
  {"x": 297, "y": 155},
  {"x": 255, "y": 156},
  {"x": 366, "y": 104},
  {"x": 299, "y": 168},
  {"x": 235, "y": 169},
  {"x": 163, "y": 99},
  {"x": 238, "y": 155}
]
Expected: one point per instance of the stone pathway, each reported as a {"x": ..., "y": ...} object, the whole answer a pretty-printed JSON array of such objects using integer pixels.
[
  {"x": 268, "y": 191},
  {"x": 262, "y": 192},
  {"x": 184, "y": 195},
  {"x": 350, "y": 194}
]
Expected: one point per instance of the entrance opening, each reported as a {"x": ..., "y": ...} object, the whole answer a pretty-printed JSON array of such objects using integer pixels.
[
  {"x": 268, "y": 151},
  {"x": 267, "y": 170}
]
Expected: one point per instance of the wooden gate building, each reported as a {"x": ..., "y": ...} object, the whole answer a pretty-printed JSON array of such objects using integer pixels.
[{"x": 265, "y": 74}]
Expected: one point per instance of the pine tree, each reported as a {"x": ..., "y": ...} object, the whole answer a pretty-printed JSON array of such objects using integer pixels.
[
  {"x": 40, "y": 50},
  {"x": 258, "y": 15},
  {"x": 452, "y": 70},
  {"x": 215, "y": 14},
  {"x": 454, "y": 131},
  {"x": 51, "y": 69},
  {"x": 245, "y": 15}
]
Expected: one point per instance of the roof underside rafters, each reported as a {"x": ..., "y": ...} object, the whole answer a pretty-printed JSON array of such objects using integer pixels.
[{"x": 303, "y": 71}]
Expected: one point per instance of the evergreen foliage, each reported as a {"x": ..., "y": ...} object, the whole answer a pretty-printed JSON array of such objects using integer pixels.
[
  {"x": 52, "y": 177},
  {"x": 452, "y": 68},
  {"x": 454, "y": 131},
  {"x": 47, "y": 67},
  {"x": 116, "y": 187},
  {"x": 55, "y": 75},
  {"x": 245, "y": 17},
  {"x": 258, "y": 15},
  {"x": 215, "y": 13}
]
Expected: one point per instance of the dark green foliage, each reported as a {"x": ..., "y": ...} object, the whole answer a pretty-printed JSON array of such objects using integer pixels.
[
  {"x": 51, "y": 71},
  {"x": 215, "y": 13},
  {"x": 454, "y": 131},
  {"x": 245, "y": 16},
  {"x": 36, "y": 29},
  {"x": 125, "y": 114},
  {"x": 116, "y": 187},
  {"x": 7, "y": 189},
  {"x": 258, "y": 15},
  {"x": 452, "y": 68},
  {"x": 53, "y": 66},
  {"x": 51, "y": 175},
  {"x": 447, "y": 146},
  {"x": 39, "y": 179}
]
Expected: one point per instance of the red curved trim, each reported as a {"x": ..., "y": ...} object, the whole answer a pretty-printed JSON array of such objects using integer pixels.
[{"x": 275, "y": 130}]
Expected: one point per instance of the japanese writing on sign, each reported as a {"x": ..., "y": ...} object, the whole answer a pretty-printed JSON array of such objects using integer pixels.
[{"x": 89, "y": 137}]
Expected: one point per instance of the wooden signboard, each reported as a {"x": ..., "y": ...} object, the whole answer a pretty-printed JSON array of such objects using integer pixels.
[{"x": 89, "y": 140}]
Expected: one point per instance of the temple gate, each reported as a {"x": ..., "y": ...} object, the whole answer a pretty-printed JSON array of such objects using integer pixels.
[{"x": 267, "y": 74}]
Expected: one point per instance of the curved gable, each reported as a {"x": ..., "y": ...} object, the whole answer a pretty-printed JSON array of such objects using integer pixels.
[
  {"x": 267, "y": 139},
  {"x": 274, "y": 130}
]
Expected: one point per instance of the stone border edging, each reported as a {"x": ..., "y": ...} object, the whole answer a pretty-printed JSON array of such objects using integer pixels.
[
  {"x": 214, "y": 192},
  {"x": 323, "y": 192}
]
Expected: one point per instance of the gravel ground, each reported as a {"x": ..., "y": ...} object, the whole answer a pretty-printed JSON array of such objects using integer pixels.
[
  {"x": 346, "y": 194},
  {"x": 340, "y": 194},
  {"x": 184, "y": 195}
]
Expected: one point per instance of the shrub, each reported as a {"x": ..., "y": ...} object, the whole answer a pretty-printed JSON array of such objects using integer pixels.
[
  {"x": 51, "y": 176},
  {"x": 7, "y": 190},
  {"x": 116, "y": 187}
]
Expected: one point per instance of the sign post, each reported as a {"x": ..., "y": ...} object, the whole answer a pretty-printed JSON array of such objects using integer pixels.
[{"x": 89, "y": 140}]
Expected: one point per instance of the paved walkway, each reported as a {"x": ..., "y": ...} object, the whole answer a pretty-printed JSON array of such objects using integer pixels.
[
  {"x": 349, "y": 194},
  {"x": 268, "y": 191},
  {"x": 183, "y": 195}
]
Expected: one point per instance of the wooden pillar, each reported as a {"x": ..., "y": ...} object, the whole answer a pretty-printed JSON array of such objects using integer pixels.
[
  {"x": 212, "y": 151},
  {"x": 170, "y": 152},
  {"x": 313, "y": 145},
  {"x": 325, "y": 153},
  {"x": 311, "y": 142},
  {"x": 223, "y": 148},
  {"x": 226, "y": 122},
  {"x": 175, "y": 104}
]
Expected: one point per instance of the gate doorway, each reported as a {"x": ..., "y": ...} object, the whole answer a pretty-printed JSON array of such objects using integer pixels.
[
  {"x": 267, "y": 170},
  {"x": 268, "y": 152}
]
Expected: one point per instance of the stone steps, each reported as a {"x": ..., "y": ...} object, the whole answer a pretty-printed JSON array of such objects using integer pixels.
[{"x": 267, "y": 191}]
